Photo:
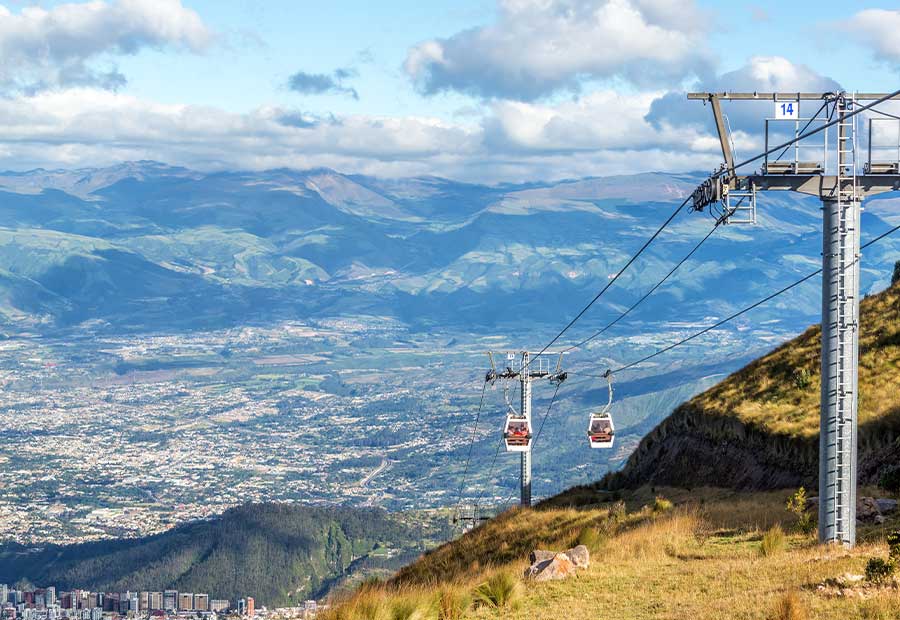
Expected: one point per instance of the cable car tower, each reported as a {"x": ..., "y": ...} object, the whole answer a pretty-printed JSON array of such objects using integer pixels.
[
  {"x": 833, "y": 175},
  {"x": 518, "y": 432}
]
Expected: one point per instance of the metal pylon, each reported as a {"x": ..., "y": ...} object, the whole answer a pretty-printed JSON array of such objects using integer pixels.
[{"x": 840, "y": 343}]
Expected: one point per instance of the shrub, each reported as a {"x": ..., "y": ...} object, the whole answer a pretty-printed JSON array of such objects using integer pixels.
[
  {"x": 802, "y": 378},
  {"x": 895, "y": 277},
  {"x": 702, "y": 530},
  {"x": 773, "y": 541},
  {"x": 453, "y": 604},
  {"x": 893, "y": 541},
  {"x": 879, "y": 570},
  {"x": 501, "y": 591},
  {"x": 796, "y": 504},
  {"x": 617, "y": 512},
  {"x": 789, "y": 607},
  {"x": 890, "y": 480},
  {"x": 661, "y": 504}
]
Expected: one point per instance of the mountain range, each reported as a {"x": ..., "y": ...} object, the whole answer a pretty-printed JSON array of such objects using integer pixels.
[{"x": 143, "y": 246}]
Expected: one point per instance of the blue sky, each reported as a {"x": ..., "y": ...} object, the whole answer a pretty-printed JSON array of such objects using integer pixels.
[{"x": 488, "y": 90}]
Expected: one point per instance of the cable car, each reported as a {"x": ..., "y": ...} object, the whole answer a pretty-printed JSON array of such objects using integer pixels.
[
  {"x": 601, "y": 430},
  {"x": 517, "y": 433}
]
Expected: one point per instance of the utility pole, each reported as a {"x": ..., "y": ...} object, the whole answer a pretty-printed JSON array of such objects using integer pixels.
[
  {"x": 530, "y": 367},
  {"x": 525, "y": 390},
  {"x": 841, "y": 192},
  {"x": 471, "y": 521}
]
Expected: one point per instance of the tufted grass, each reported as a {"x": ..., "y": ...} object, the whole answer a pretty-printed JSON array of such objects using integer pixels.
[{"x": 651, "y": 565}]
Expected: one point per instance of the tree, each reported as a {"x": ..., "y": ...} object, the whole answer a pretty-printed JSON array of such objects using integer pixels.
[{"x": 896, "y": 277}]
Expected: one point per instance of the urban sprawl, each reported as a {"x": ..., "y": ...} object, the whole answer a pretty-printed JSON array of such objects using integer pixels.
[{"x": 47, "y": 604}]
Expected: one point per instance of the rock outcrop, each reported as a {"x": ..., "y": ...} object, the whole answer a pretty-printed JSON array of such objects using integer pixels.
[
  {"x": 868, "y": 509},
  {"x": 553, "y": 566}
]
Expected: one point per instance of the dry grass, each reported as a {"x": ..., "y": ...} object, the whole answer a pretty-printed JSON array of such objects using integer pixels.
[
  {"x": 651, "y": 565},
  {"x": 773, "y": 542},
  {"x": 790, "y": 607},
  {"x": 505, "y": 540},
  {"x": 501, "y": 591},
  {"x": 780, "y": 391}
]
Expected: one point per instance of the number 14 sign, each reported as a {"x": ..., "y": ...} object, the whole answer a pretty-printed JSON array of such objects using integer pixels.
[{"x": 787, "y": 110}]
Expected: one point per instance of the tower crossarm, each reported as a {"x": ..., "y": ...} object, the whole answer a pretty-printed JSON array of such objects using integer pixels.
[
  {"x": 726, "y": 96},
  {"x": 819, "y": 185}
]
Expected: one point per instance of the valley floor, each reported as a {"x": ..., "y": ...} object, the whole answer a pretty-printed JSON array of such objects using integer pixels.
[{"x": 700, "y": 559}]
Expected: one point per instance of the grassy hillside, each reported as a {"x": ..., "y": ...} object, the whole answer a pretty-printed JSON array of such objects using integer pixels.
[
  {"x": 701, "y": 559},
  {"x": 759, "y": 427},
  {"x": 276, "y": 553},
  {"x": 715, "y": 554}
]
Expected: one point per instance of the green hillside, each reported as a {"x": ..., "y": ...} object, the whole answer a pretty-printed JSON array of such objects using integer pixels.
[
  {"x": 274, "y": 552},
  {"x": 759, "y": 427}
]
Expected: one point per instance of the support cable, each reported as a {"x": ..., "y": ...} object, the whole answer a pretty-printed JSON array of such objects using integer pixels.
[
  {"x": 471, "y": 447},
  {"x": 887, "y": 114},
  {"x": 815, "y": 131},
  {"x": 735, "y": 315},
  {"x": 718, "y": 174},
  {"x": 612, "y": 280},
  {"x": 490, "y": 472},
  {"x": 546, "y": 415},
  {"x": 805, "y": 127},
  {"x": 650, "y": 292}
]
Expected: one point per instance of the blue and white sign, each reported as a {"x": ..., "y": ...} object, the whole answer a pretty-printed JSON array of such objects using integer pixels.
[{"x": 787, "y": 110}]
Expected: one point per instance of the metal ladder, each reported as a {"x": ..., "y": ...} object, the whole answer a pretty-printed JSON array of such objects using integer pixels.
[{"x": 848, "y": 196}]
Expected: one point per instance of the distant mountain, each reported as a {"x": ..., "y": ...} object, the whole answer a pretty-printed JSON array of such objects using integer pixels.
[
  {"x": 143, "y": 246},
  {"x": 277, "y": 553}
]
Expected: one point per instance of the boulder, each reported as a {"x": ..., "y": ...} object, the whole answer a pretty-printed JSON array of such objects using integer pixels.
[
  {"x": 538, "y": 556},
  {"x": 867, "y": 510},
  {"x": 553, "y": 566},
  {"x": 580, "y": 556},
  {"x": 558, "y": 568},
  {"x": 886, "y": 506}
]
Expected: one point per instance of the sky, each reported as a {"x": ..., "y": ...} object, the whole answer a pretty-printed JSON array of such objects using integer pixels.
[{"x": 487, "y": 91}]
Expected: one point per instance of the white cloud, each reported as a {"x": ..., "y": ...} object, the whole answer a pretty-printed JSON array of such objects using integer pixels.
[
  {"x": 537, "y": 47},
  {"x": 877, "y": 28},
  {"x": 599, "y": 121},
  {"x": 512, "y": 141},
  {"x": 85, "y": 126},
  {"x": 44, "y": 48},
  {"x": 760, "y": 74}
]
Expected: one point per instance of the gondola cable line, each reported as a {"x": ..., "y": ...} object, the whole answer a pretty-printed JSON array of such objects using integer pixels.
[
  {"x": 731, "y": 317},
  {"x": 801, "y": 136},
  {"x": 633, "y": 306},
  {"x": 610, "y": 372},
  {"x": 612, "y": 280},
  {"x": 471, "y": 447}
]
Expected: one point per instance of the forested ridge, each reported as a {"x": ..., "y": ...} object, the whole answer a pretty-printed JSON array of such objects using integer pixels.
[{"x": 277, "y": 553}]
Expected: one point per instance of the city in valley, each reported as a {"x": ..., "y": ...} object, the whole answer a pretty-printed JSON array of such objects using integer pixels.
[
  {"x": 109, "y": 436},
  {"x": 48, "y": 604},
  {"x": 129, "y": 436}
]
